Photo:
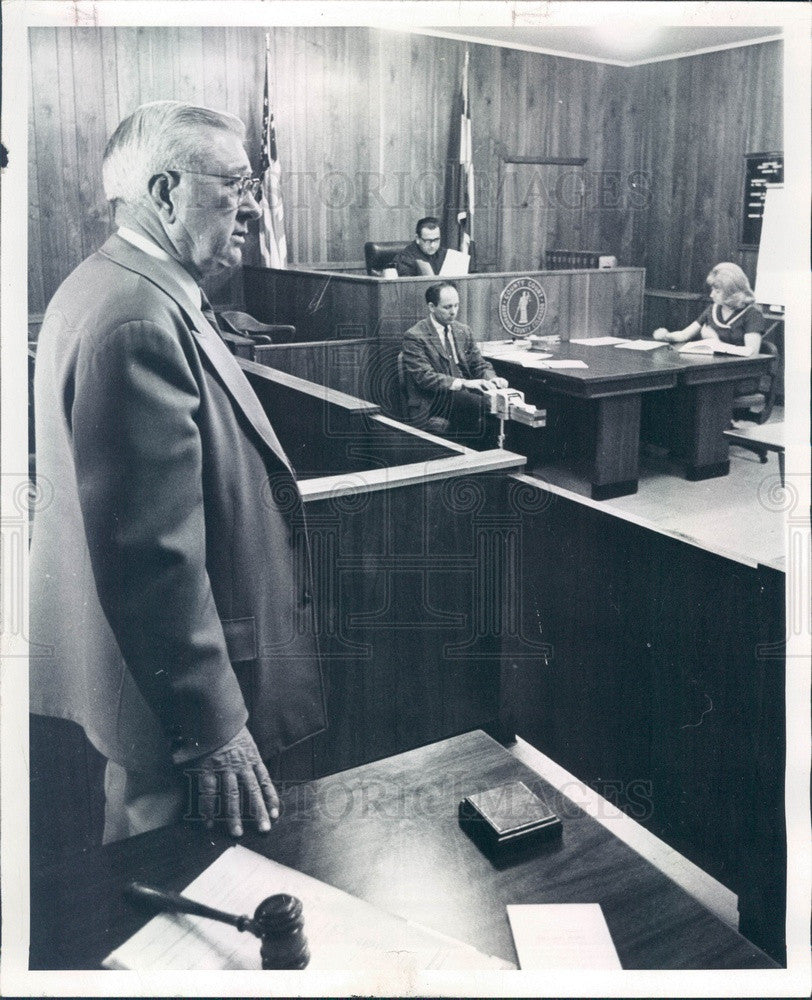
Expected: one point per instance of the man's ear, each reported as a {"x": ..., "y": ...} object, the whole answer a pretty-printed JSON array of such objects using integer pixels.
[{"x": 161, "y": 193}]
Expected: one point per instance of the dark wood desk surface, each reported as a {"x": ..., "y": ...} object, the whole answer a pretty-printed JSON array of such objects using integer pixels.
[
  {"x": 612, "y": 370},
  {"x": 388, "y": 833}
]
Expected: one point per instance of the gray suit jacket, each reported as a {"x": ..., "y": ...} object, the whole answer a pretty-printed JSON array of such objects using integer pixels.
[
  {"x": 430, "y": 370},
  {"x": 169, "y": 604}
]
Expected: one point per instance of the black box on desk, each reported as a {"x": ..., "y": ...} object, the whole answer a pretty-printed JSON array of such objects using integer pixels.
[{"x": 508, "y": 819}]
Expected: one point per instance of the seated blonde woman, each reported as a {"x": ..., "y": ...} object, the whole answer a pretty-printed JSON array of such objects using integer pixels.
[{"x": 732, "y": 318}]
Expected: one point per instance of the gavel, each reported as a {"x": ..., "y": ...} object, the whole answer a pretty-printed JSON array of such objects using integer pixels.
[{"x": 277, "y": 922}]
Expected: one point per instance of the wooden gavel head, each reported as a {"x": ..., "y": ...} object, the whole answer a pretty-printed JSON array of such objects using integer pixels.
[{"x": 277, "y": 922}]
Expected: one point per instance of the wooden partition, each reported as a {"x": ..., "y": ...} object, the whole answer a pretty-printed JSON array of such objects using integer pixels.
[
  {"x": 337, "y": 364},
  {"x": 660, "y": 684},
  {"x": 325, "y": 305}
]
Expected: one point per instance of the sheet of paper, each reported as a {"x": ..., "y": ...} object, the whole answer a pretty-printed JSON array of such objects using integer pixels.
[
  {"x": 562, "y": 936},
  {"x": 564, "y": 363},
  {"x": 599, "y": 341},
  {"x": 343, "y": 932},
  {"x": 498, "y": 348},
  {"x": 641, "y": 345},
  {"x": 533, "y": 359},
  {"x": 455, "y": 264},
  {"x": 720, "y": 347},
  {"x": 697, "y": 347}
]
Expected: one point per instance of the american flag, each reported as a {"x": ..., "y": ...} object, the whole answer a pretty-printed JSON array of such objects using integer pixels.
[
  {"x": 465, "y": 170},
  {"x": 273, "y": 247}
]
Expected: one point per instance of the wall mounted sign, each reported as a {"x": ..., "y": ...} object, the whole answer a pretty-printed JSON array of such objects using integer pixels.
[
  {"x": 522, "y": 305},
  {"x": 760, "y": 169}
]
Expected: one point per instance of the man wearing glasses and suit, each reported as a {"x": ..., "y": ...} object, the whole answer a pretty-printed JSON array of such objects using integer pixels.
[{"x": 172, "y": 621}]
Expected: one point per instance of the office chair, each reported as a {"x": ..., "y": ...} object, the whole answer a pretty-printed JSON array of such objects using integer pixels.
[
  {"x": 434, "y": 425},
  {"x": 380, "y": 255},
  {"x": 755, "y": 399}
]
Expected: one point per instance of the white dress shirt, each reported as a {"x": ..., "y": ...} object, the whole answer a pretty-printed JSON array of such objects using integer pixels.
[
  {"x": 449, "y": 346},
  {"x": 181, "y": 275}
]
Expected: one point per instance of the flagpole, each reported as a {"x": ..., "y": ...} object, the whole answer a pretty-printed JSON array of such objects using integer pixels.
[{"x": 468, "y": 149}]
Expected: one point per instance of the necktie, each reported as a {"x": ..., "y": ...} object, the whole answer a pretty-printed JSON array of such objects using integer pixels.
[
  {"x": 208, "y": 312},
  {"x": 450, "y": 346}
]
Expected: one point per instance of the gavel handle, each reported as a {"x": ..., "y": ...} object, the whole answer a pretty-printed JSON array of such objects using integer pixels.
[{"x": 173, "y": 902}]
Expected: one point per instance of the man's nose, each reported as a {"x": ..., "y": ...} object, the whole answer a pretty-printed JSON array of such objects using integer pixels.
[{"x": 249, "y": 207}]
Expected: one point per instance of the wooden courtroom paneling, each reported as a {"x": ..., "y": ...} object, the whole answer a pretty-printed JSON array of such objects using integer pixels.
[
  {"x": 338, "y": 364},
  {"x": 661, "y": 686},
  {"x": 325, "y": 306},
  {"x": 364, "y": 122},
  {"x": 701, "y": 115}
]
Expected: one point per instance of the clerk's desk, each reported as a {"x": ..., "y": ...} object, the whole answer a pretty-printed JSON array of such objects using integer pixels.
[
  {"x": 387, "y": 832},
  {"x": 594, "y": 412}
]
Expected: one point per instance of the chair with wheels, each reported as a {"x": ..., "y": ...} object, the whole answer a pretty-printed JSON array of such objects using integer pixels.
[{"x": 755, "y": 398}]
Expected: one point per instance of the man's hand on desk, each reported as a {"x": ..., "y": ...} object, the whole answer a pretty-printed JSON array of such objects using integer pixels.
[
  {"x": 484, "y": 384},
  {"x": 222, "y": 774}
]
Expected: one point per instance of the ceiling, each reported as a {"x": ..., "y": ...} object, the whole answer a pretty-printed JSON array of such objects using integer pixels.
[{"x": 627, "y": 44}]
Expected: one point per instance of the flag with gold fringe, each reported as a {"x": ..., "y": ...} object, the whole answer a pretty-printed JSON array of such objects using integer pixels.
[
  {"x": 272, "y": 244},
  {"x": 464, "y": 188}
]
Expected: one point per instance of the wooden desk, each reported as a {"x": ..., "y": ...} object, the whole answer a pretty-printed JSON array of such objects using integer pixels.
[
  {"x": 704, "y": 409},
  {"x": 388, "y": 833},
  {"x": 596, "y": 410}
]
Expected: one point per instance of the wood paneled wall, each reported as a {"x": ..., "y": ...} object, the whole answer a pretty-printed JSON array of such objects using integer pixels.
[
  {"x": 365, "y": 123},
  {"x": 700, "y": 116}
]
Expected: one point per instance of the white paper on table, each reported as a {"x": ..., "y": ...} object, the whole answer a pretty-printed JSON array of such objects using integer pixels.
[
  {"x": 455, "y": 264},
  {"x": 343, "y": 932},
  {"x": 641, "y": 345},
  {"x": 696, "y": 347},
  {"x": 533, "y": 359},
  {"x": 711, "y": 346},
  {"x": 599, "y": 341},
  {"x": 563, "y": 363},
  {"x": 495, "y": 348},
  {"x": 562, "y": 936}
]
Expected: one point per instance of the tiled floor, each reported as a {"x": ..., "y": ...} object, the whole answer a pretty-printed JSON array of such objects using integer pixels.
[{"x": 740, "y": 514}]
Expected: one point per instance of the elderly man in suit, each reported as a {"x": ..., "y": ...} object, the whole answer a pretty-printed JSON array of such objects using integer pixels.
[
  {"x": 446, "y": 376},
  {"x": 168, "y": 605}
]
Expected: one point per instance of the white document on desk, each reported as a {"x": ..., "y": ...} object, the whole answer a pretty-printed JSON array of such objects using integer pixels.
[
  {"x": 343, "y": 932},
  {"x": 533, "y": 359},
  {"x": 562, "y": 936},
  {"x": 641, "y": 345},
  {"x": 599, "y": 341},
  {"x": 455, "y": 264},
  {"x": 562, "y": 363},
  {"x": 708, "y": 346}
]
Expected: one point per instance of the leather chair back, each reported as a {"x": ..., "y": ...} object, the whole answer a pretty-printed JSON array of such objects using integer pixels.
[{"x": 380, "y": 255}]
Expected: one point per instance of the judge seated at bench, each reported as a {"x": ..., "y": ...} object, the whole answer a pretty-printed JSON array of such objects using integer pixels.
[
  {"x": 446, "y": 377},
  {"x": 424, "y": 255}
]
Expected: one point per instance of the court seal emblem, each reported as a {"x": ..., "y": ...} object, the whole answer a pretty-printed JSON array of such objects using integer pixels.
[{"x": 522, "y": 306}]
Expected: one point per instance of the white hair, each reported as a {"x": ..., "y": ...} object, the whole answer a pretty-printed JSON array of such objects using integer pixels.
[{"x": 153, "y": 138}]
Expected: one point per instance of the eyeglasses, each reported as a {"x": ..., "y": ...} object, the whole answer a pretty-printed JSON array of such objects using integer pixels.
[
  {"x": 240, "y": 182},
  {"x": 433, "y": 239}
]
